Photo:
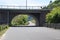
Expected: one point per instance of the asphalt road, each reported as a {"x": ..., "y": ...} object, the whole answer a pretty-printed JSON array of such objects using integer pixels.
[{"x": 32, "y": 33}]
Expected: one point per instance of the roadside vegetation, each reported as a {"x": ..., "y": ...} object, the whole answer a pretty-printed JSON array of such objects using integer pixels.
[
  {"x": 53, "y": 18},
  {"x": 3, "y": 29},
  {"x": 54, "y": 15}
]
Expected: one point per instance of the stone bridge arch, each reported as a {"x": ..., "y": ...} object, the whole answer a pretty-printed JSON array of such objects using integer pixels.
[{"x": 34, "y": 15}]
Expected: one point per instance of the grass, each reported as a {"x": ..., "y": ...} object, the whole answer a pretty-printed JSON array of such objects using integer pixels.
[
  {"x": 2, "y": 32},
  {"x": 3, "y": 29}
]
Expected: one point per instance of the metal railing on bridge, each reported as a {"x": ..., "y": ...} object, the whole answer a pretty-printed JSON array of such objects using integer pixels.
[{"x": 20, "y": 7}]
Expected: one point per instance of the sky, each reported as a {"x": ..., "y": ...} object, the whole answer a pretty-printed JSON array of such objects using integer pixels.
[{"x": 23, "y": 2}]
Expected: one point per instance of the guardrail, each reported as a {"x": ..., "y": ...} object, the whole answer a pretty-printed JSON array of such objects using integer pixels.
[{"x": 21, "y": 7}]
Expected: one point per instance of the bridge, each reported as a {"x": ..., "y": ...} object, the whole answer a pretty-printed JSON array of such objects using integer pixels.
[{"x": 7, "y": 13}]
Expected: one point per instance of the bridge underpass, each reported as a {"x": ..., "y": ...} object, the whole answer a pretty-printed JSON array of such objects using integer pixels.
[{"x": 7, "y": 14}]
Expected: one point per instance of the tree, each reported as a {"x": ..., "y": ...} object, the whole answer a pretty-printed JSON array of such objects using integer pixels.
[
  {"x": 54, "y": 4},
  {"x": 53, "y": 16},
  {"x": 20, "y": 20}
]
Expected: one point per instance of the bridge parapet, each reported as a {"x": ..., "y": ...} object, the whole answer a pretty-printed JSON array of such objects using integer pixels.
[{"x": 20, "y": 7}]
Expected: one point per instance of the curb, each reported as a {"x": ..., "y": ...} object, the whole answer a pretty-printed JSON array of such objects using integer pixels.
[{"x": 2, "y": 36}]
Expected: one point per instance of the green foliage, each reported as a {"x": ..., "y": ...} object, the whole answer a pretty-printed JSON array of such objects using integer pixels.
[
  {"x": 54, "y": 16},
  {"x": 20, "y": 20},
  {"x": 3, "y": 26},
  {"x": 0, "y": 28},
  {"x": 52, "y": 5}
]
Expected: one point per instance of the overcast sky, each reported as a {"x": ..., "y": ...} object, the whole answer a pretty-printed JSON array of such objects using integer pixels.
[{"x": 23, "y": 2}]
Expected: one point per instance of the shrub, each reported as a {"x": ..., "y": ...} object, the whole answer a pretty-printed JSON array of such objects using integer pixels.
[
  {"x": 2, "y": 27},
  {"x": 19, "y": 20},
  {"x": 53, "y": 16}
]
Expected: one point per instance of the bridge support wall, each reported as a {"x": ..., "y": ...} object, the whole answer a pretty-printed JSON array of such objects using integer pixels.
[{"x": 6, "y": 16}]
